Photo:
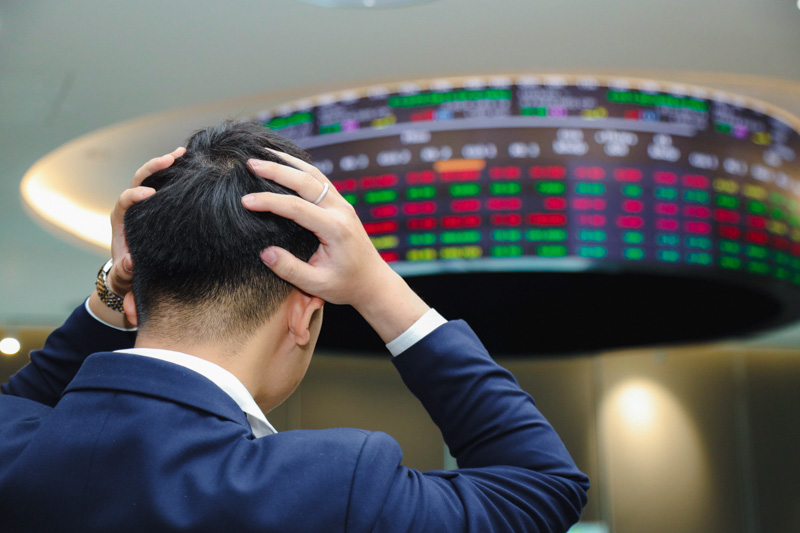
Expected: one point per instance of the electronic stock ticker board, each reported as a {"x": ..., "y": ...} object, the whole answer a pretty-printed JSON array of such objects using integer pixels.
[{"x": 632, "y": 211}]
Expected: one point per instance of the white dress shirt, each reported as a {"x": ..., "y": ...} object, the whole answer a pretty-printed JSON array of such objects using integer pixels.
[
  {"x": 221, "y": 377},
  {"x": 418, "y": 330},
  {"x": 234, "y": 388}
]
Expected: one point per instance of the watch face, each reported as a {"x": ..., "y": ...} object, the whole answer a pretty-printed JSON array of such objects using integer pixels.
[{"x": 107, "y": 267}]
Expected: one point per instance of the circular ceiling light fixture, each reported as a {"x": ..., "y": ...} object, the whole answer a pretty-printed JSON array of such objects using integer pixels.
[
  {"x": 364, "y": 3},
  {"x": 10, "y": 346}
]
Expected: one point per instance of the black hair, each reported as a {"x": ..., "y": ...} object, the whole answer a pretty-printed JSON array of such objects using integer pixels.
[{"x": 195, "y": 248}]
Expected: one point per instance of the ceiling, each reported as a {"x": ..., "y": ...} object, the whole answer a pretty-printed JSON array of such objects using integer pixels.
[{"x": 69, "y": 67}]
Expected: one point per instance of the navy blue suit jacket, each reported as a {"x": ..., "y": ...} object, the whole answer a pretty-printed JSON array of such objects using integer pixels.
[{"x": 138, "y": 444}]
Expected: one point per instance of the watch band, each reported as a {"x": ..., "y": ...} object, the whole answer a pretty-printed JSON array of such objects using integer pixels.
[{"x": 109, "y": 298}]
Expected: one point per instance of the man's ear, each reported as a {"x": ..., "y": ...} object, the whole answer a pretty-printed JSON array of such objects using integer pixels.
[
  {"x": 129, "y": 308},
  {"x": 301, "y": 311}
]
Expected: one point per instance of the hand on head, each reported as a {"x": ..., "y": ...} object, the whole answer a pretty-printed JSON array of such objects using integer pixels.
[
  {"x": 346, "y": 268},
  {"x": 121, "y": 274}
]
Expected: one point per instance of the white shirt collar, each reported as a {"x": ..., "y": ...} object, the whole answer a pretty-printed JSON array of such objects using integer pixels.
[{"x": 221, "y": 377}]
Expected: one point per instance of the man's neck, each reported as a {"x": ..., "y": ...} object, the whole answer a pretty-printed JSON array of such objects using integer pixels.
[
  {"x": 233, "y": 357},
  {"x": 249, "y": 358},
  {"x": 208, "y": 351}
]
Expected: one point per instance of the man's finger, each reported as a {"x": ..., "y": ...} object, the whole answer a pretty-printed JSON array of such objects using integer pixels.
[
  {"x": 127, "y": 199},
  {"x": 121, "y": 272},
  {"x": 120, "y": 276},
  {"x": 156, "y": 164},
  {"x": 302, "y": 165},
  {"x": 304, "y": 213},
  {"x": 301, "y": 182},
  {"x": 289, "y": 268},
  {"x": 127, "y": 263}
]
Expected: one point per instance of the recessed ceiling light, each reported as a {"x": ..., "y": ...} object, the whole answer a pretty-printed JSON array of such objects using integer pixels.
[
  {"x": 9, "y": 346},
  {"x": 364, "y": 3}
]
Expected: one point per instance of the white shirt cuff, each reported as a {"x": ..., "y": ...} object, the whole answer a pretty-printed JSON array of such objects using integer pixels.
[
  {"x": 418, "y": 330},
  {"x": 89, "y": 310}
]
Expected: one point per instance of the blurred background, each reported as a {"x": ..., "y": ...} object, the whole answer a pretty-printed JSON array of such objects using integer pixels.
[{"x": 676, "y": 438}]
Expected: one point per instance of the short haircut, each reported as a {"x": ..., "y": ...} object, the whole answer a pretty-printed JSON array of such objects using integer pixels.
[{"x": 195, "y": 248}]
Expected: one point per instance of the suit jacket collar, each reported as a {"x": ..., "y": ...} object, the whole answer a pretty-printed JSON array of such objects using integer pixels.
[{"x": 143, "y": 375}]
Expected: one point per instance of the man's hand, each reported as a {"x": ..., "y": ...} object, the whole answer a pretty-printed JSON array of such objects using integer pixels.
[
  {"x": 121, "y": 273},
  {"x": 346, "y": 268}
]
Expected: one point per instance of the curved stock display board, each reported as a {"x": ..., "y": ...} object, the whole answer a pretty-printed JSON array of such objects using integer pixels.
[{"x": 567, "y": 213}]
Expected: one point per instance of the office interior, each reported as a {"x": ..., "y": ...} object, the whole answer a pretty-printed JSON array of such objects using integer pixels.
[{"x": 676, "y": 435}]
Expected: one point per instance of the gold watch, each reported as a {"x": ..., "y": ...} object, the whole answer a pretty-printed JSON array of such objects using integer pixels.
[{"x": 109, "y": 298}]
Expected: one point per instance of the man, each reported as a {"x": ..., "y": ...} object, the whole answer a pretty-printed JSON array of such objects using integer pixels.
[{"x": 230, "y": 275}]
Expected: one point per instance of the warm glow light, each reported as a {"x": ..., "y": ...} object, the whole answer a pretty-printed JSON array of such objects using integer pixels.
[
  {"x": 65, "y": 213},
  {"x": 9, "y": 346},
  {"x": 636, "y": 405},
  {"x": 653, "y": 444}
]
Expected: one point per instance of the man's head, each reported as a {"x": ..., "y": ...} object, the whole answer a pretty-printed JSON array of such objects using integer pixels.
[{"x": 195, "y": 249}]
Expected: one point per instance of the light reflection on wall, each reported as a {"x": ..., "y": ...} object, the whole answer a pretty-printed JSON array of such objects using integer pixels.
[
  {"x": 64, "y": 212},
  {"x": 637, "y": 406},
  {"x": 655, "y": 456}
]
